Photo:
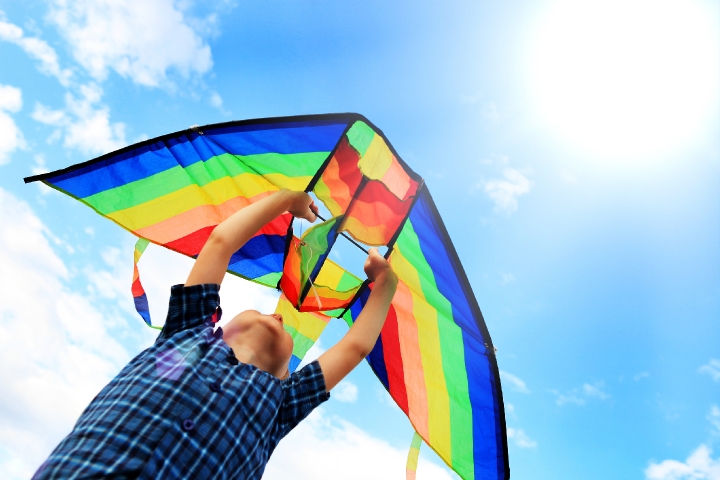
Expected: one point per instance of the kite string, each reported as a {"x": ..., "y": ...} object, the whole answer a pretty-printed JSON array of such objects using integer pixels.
[{"x": 307, "y": 268}]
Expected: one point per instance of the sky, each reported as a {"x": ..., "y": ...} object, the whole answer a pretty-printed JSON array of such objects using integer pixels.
[{"x": 572, "y": 149}]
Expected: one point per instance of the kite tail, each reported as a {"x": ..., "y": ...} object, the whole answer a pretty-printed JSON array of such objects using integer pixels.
[
  {"x": 413, "y": 454},
  {"x": 138, "y": 292}
]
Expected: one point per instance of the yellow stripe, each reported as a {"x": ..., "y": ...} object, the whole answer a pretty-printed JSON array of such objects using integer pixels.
[
  {"x": 309, "y": 324},
  {"x": 330, "y": 275},
  {"x": 246, "y": 185},
  {"x": 429, "y": 341},
  {"x": 377, "y": 159},
  {"x": 323, "y": 193}
]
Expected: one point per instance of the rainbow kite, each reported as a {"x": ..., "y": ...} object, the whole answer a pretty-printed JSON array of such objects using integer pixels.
[{"x": 434, "y": 355}]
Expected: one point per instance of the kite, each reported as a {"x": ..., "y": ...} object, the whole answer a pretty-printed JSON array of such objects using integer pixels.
[{"x": 434, "y": 356}]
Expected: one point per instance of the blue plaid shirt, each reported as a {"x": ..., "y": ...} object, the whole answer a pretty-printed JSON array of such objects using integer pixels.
[{"x": 186, "y": 408}]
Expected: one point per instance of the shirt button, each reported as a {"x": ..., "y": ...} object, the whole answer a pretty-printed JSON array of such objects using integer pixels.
[
  {"x": 215, "y": 387},
  {"x": 232, "y": 360},
  {"x": 188, "y": 425}
]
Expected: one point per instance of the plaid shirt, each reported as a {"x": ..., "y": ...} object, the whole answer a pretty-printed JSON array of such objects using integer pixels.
[{"x": 186, "y": 408}]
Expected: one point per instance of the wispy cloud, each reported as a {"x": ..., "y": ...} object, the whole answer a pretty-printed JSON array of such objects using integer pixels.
[
  {"x": 521, "y": 438},
  {"x": 714, "y": 419},
  {"x": 506, "y": 190},
  {"x": 35, "y": 48},
  {"x": 712, "y": 368},
  {"x": 639, "y": 376},
  {"x": 580, "y": 395},
  {"x": 84, "y": 123},
  {"x": 11, "y": 138},
  {"x": 515, "y": 383},
  {"x": 506, "y": 278},
  {"x": 142, "y": 41}
]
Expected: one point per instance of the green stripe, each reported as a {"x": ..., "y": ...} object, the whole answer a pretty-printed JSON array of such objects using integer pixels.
[
  {"x": 348, "y": 281},
  {"x": 314, "y": 245},
  {"x": 360, "y": 136},
  {"x": 270, "y": 279},
  {"x": 301, "y": 343},
  {"x": 141, "y": 245},
  {"x": 453, "y": 355},
  {"x": 202, "y": 173}
]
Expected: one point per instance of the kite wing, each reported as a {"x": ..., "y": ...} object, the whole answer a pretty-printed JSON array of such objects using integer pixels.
[{"x": 434, "y": 355}]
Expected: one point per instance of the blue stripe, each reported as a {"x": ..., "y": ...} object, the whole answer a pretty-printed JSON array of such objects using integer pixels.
[
  {"x": 188, "y": 148},
  {"x": 447, "y": 280},
  {"x": 142, "y": 307},
  {"x": 488, "y": 451},
  {"x": 294, "y": 362},
  {"x": 486, "y": 423}
]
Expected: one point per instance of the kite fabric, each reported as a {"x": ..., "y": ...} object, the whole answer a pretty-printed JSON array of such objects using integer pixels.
[
  {"x": 413, "y": 455},
  {"x": 434, "y": 356},
  {"x": 138, "y": 292}
]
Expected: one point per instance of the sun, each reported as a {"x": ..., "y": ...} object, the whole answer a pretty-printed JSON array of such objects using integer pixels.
[{"x": 626, "y": 78}]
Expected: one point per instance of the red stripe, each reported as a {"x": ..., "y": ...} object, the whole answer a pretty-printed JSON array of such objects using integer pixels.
[
  {"x": 393, "y": 360},
  {"x": 290, "y": 280},
  {"x": 192, "y": 244},
  {"x": 137, "y": 288}
]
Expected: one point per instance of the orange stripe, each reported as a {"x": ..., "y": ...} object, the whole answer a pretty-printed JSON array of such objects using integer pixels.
[
  {"x": 412, "y": 361},
  {"x": 195, "y": 219}
]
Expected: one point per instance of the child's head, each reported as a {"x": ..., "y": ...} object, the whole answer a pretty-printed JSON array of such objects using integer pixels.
[{"x": 264, "y": 337}]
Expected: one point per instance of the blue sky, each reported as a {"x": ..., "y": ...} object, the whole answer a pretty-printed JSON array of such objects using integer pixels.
[{"x": 571, "y": 147}]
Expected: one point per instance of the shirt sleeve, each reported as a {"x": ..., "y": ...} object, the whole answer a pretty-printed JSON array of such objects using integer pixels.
[
  {"x": 303, "y": 391},
  {"x": 190, "y": 307}
]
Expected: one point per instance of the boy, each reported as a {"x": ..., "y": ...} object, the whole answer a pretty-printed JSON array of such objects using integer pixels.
[{"x": 199, "y": 404}]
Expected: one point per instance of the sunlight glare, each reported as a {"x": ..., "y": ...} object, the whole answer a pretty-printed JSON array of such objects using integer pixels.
[{"x": 626, "y": 78}]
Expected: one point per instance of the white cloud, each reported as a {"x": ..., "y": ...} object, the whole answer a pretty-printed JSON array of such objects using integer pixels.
[
  {"x": 514, "y": 382},
  {"x": 699, "y": 466},
  {"x": 712, "y": 368},
  {"x": 84, "y": 123},
  {"x": 345, "y": 391},
  {"x": 58, "y": 345},
  {"x": 35, "y": 48},
  {"x": 504, "y": 192},
  {"x": 579, "y": 396},
  {"x": 216, "y": 100},
  {"x": 55, "y": 346},
  {"x": 142, "y": 41},
  {"x": 521, "y": 438},
  {"x": 11, "y": 138},
  {"x": 322, "y": 447},
  {"x": 639, "y": 376}
]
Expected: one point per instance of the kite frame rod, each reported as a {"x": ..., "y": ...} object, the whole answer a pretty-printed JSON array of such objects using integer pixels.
[{"x": 348, "y": 237}]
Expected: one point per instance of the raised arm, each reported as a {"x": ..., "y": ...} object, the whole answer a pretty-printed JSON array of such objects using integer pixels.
[
  {"x": 357, "y": 343},
  {"x": 240, "y": 227}
]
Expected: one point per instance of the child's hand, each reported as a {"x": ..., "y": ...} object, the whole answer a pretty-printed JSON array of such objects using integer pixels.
[
  {"x": 376, "y": 266},
  {"x": 302, "y": 206}
]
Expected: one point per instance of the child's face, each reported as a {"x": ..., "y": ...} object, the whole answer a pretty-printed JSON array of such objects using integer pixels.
[{"x": 268, "y": 331}]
